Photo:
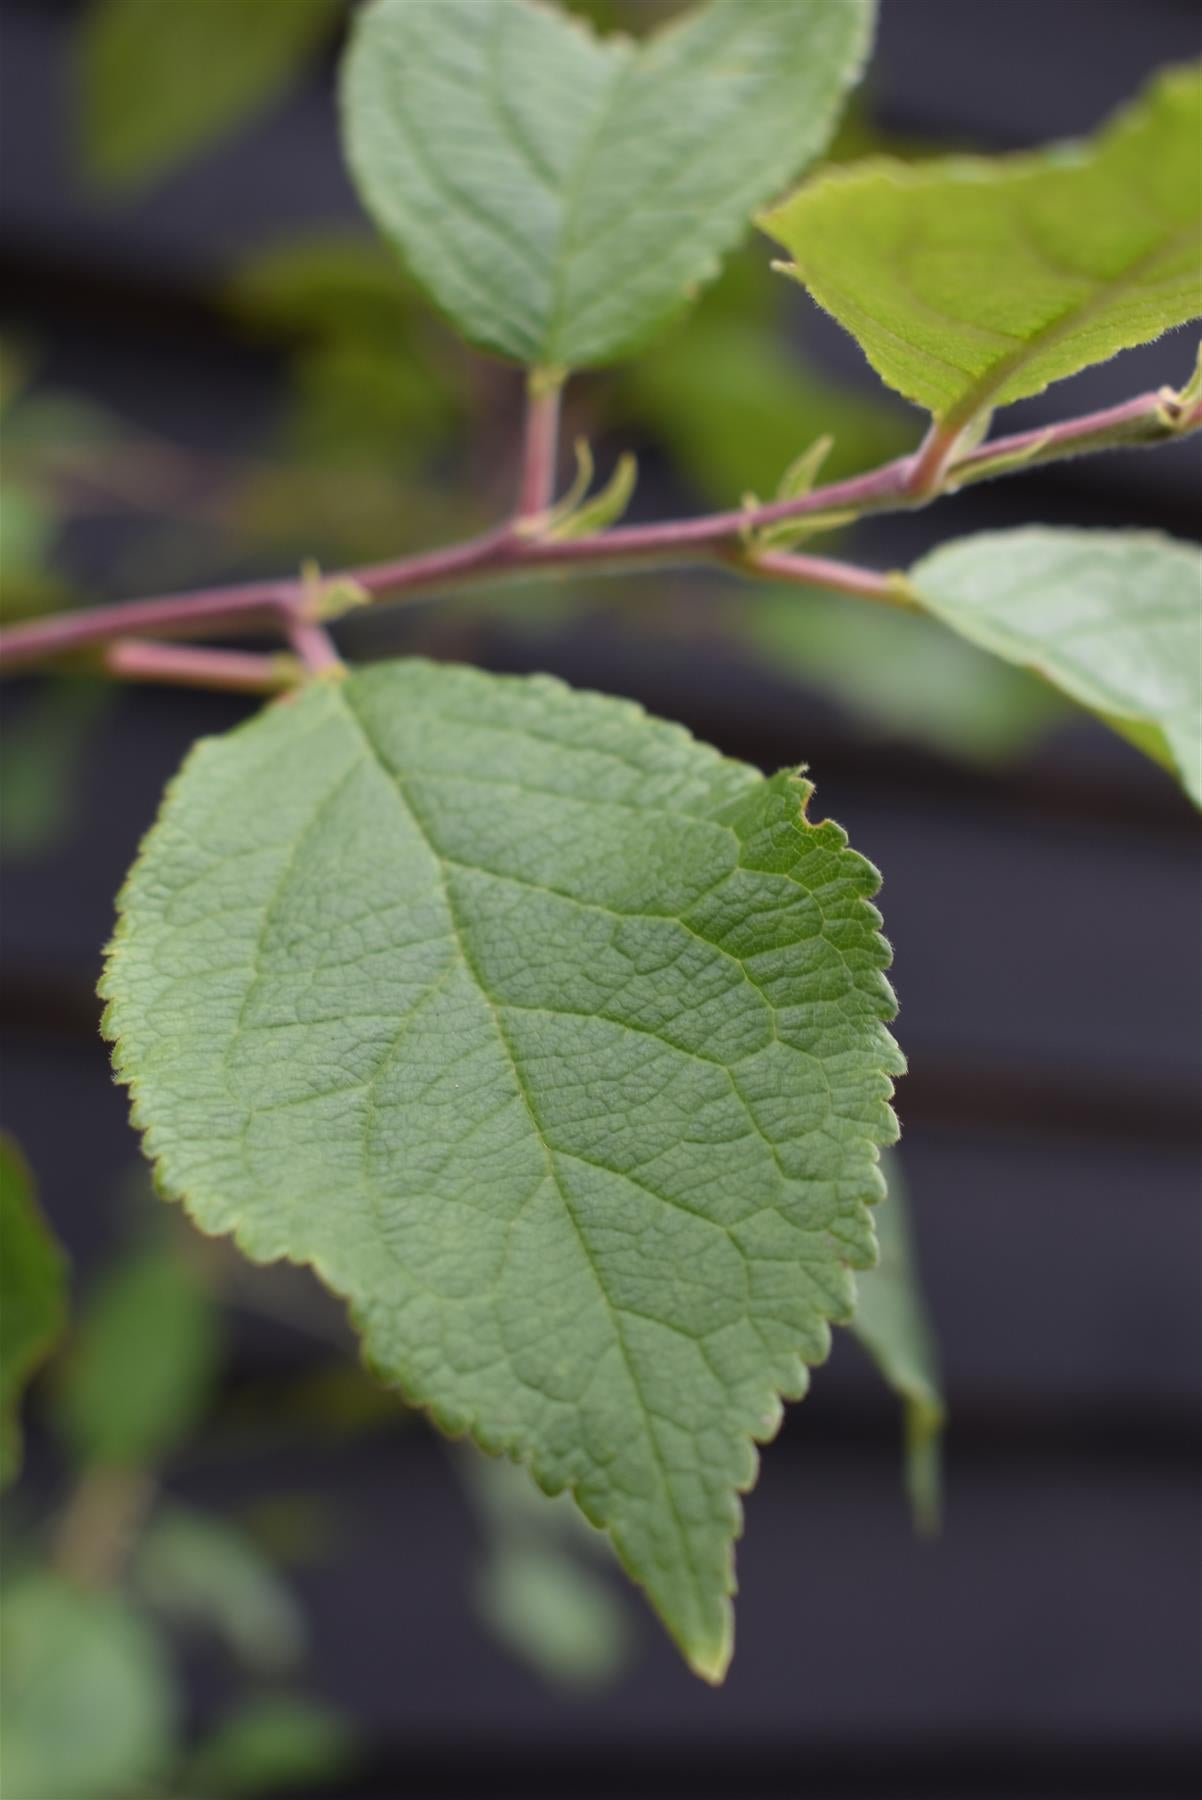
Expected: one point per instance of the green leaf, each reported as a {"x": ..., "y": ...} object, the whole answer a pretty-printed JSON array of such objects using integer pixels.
[
  {"x": 276, "y": 1744},
  {"x": 33, "y": 1296},
  {"x": 86, "y": 1704},
  {"x": 892, "y": 1324},
  {"x": 202, "y": 1570},
  {"x": 560, "y": 195},
  {"x": 550, "y": 1038},
  {"x": 161, "y": 83},
  {"x": 971, "y": 282},
  {"x": 143, "y": 1364},
  {"x": 1112, "y": 618}
]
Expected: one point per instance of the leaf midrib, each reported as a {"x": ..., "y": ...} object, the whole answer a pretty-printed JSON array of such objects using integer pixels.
[
  {"x": 1056, "y": 329},
  {"x": 399, "y": 789}
]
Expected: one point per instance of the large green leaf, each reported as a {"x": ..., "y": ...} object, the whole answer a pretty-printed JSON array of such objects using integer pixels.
[
  {"x": 559, "y": 194},
  {"x": 161, "y": 82},
  {"x": 555, "y": 1042},
  {"x": 892, "y": 1324},
  {"x": 143, "y": 1365},
  {"x": 33, "y": 1295},
  {"x": 970, "y": 283},
  {"x": 86, "y": 1704},
  {"x": 1113, "y": 618}
]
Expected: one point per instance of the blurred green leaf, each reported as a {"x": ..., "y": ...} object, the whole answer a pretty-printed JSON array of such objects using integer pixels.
[
  {"x": 40, "y": 763},
  {"x": 275, "y": 1744},
  {"x": 143, "y": 1363},
  {"x": 33, "y": 1295},
  {"x": 86, "y": 1704},
  {"x": 162, "y": 82},
  {"x": 536, "y": 1592},
  {"x": 326, "y": 285},
  {"x": 202, "y": 1570},
  {"x": 374, "y": 378},
  {"x": 28, "y": 526},
  {"x": 891, "y": 1322},
  {"x": 353, "y": 403},
  {"x": 555, "y": 1615},
  {"x": 897, "y": 674},
  {"x": 735, "y": 405}
]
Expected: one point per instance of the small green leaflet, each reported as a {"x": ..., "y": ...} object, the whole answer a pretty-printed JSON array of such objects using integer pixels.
[
  {"x": 560, "y": 195},
  {"x": 1112, "y": 618},
  {"x": 33, "y": 1296},
  {"x": 892, "y": 1324},
  {"x": 972, "y": 282},
  {"x": 160, "y": 83},
  {"x": 556, "y": 1043}
]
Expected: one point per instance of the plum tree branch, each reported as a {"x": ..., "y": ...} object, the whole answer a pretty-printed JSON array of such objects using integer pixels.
[{"x": 512, "y": 548}]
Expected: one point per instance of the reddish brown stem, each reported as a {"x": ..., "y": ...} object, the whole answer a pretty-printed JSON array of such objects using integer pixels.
[
  {"x": 186, "y": 665},
  {"x": 821, "y": 572},
  {"x": 1149, "y": 418},
  {"x": 312, "y": 644},
  {"x": 541, "y": 443}
]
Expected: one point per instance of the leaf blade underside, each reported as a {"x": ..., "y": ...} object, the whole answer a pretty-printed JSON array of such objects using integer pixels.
[
  {"x": 1111, "y": 618},
  {"x": 558, "y": 194},
  {"x": 972, "y": 282},
  {"x": 556, "y": 1043}
]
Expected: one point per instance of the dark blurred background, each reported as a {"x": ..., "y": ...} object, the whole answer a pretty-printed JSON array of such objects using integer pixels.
[{"x": 210, "y": 370}]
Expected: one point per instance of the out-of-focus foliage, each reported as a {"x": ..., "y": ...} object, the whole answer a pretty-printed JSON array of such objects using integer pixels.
[
  {"x": 33, "y": 1297},
  {"x": 203, "y": 1571},
  {"x": 274, "y": 1743},
  {"x": 733, "y": 399},
  {"x": 542, "y": 1589},
  {"x": 892, "y": 1323},
  {"x": 143, "y": 1363},
  {"x": 160, "y": 82},
  {"x": 42, "y": 762},
  {"x": 96, "y": 1593},
  {"x": 896, "y": 675},
  {"x": 87, "y": 1706}
]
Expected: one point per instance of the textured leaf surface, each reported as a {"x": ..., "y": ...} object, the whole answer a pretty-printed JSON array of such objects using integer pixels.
[
  {"x": 160, "y": 83},
  {"x": 33, "y": 1296},
  {"x": 86, "y": 1707},
  {"x": 559, "y": 194},
  {"x": 555, "y": 1042},
  {"x": 144, "y": 1363},
  {"x": 892, "y": 1324},
  {"x": 1113, "y": 618},
  {"x": 974, "y": 282}
]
